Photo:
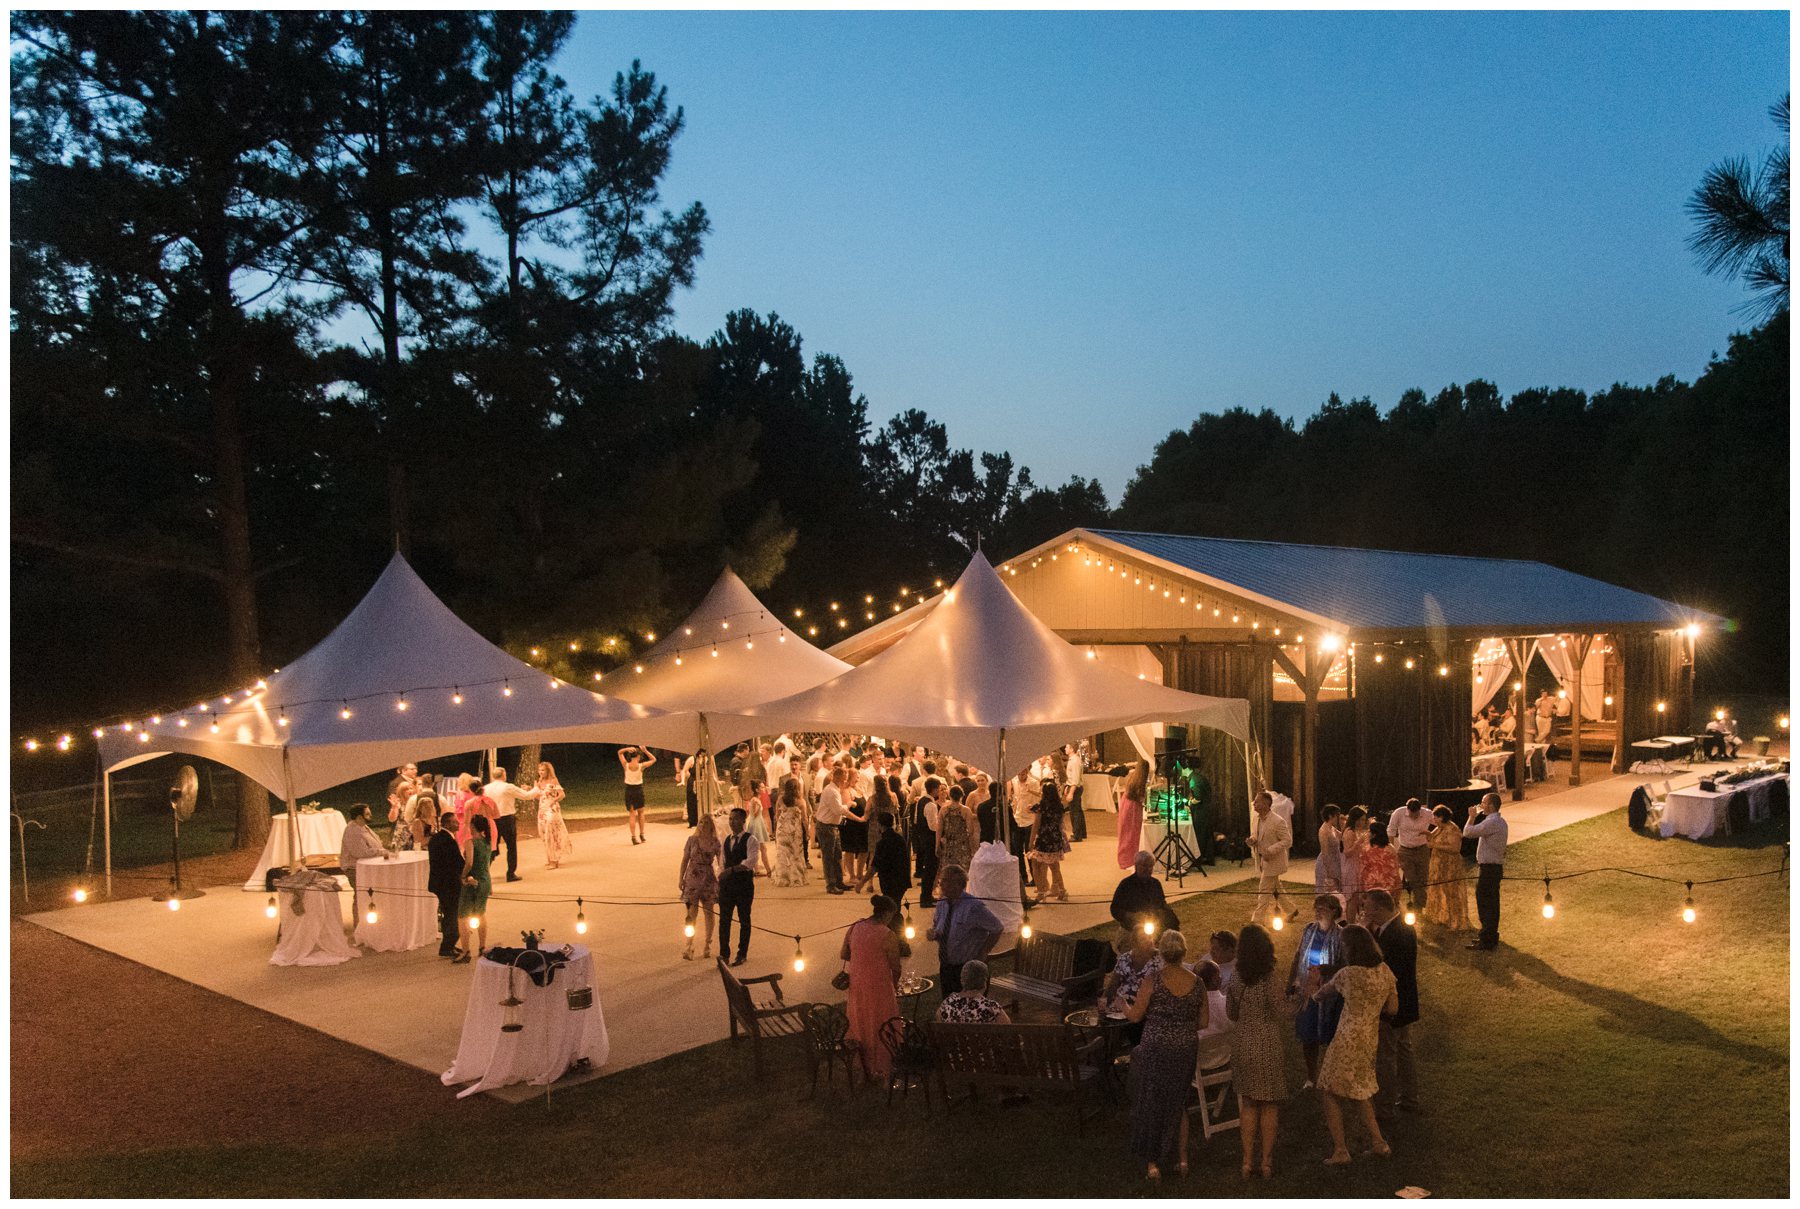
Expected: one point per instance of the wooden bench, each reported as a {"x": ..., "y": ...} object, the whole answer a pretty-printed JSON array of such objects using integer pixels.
[
  {"x": 1019, "y": 1057},
  {"x": 1043, "y": 968},
  {"x": 774, "y": 1020}
]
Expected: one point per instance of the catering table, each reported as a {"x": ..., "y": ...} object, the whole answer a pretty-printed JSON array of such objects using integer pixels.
[
  {"x": 405, "y": 912},
  {"x": 1696, "y": 814},
  {"x": 1682, "y": 746},
  {"x": 312, "y": 922},
  {"x": 555, "y": 1036},
  {"x": 1098, "y": 790},
  {"x": 321, "y": 832}
]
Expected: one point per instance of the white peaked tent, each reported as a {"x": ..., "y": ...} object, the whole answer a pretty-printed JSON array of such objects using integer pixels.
[
  {"x": 415, "y": 681},
  {"x": 979, "y": 676},
  {"x": 757, "y": 659}
]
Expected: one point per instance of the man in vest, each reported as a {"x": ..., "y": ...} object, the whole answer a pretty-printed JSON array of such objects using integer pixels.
[{"x": 737, "y": 885}]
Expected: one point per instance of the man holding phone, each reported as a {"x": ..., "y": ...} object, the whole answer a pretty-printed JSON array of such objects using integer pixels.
[{"x": 1488, "y": 830}]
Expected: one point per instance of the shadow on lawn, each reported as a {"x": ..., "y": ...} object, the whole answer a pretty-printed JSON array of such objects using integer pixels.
[{"x": 1634, "y": 1015}]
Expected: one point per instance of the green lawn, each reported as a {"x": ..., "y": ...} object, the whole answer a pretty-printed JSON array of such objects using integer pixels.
[{"x": 1611, "y": 1052}]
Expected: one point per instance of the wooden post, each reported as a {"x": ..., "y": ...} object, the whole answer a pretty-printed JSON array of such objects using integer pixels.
[
  {"x": 1579, "y": 645},
  {"x": 1310, "y": 681},
  {"x": 1521, "y": 650}
]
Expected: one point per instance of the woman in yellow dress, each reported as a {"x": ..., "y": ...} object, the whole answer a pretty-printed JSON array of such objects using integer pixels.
[{"x": 1447, "y": 897}]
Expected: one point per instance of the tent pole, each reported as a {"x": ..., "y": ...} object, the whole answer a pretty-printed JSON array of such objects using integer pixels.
[
  {"x": 293, "y": 813},
  {"x": 1003, "y": 814},
  {"x": 106, "y": 805}
]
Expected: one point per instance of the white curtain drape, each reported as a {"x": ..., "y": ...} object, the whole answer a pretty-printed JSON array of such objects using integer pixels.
[
  {"x": 1492, "y": 666},
  {"x": 1139, "y": 661},
  {"x": 1560, "y": 660}
]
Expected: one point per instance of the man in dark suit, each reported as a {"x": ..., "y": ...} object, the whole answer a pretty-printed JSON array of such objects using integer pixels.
[
  {"x": 444, "y": 878},
  {"x": 1394, "y": 1071}
]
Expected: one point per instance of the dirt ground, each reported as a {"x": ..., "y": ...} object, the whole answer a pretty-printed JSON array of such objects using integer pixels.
[{"x": 110, "y": 1057}]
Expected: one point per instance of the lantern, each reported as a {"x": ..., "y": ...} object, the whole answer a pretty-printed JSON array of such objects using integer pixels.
[{"x": 512, "y": 1013}]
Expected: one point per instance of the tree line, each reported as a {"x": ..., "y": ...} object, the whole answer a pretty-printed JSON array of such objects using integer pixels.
[{"x": 293, "y": 290}]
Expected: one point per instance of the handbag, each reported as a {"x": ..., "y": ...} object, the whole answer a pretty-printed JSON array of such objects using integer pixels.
[{"x": 840, "y": 981}]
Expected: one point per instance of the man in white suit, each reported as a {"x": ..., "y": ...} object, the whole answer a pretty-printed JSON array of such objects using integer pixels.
[{"x": 1270, "y": 839}]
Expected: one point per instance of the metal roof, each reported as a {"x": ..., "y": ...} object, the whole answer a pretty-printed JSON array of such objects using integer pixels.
[{"x": 1396, "y": 590}]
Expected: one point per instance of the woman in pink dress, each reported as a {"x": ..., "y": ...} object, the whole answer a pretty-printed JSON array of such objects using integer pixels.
[
  {"x": 872, "y": 951},
  {"x": 1131, "y": 814}
]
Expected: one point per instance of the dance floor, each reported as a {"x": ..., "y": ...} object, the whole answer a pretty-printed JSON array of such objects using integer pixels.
[{"x": 409, "y": 1006}]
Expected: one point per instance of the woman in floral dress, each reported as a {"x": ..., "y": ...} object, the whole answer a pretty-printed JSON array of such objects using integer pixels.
[
  {"x": 1356, "y": 842},
  {"x": 555, "y": 833},
  {"x": 1380, "y": 864},
  {"x": 1048, "y": 845},
  {"x": 790, "y": 831},
  {"x": 1348, "y": 1072},
  {"x": 698, "y": 881},
  {"x": 1256, "y": 1000},
  {"x": 956, "y": 833}
]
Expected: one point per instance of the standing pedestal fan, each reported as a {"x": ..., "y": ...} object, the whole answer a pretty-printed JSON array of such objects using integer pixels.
[{"x": 183, "y": 793}]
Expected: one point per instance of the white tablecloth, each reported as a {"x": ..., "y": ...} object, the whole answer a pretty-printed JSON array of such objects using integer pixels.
[
  {"x": 994, "y": 878},
  {"x": 1491, "y": 767},
  {"x": 405, "y": 913},
  {"x": 1097, "y": 792},
  {"x": 1698, "y": 814},
  {"x": 553, "y": 1039},
  {"x": 314, "y": 937},
  {"x": 320, "y": 832}
]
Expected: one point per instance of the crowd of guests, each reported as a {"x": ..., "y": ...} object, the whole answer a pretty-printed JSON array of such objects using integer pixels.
[
  {"x": 1347, "y": 998},
  {"x": 461, "y": 829},
  {"x": 1413, "y": 855}
]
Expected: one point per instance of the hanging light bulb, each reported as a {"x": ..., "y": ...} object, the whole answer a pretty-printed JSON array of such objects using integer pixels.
[
  {"x": 98, "y": 733},
  {"x": 906, "y": 926},
  {"x": 506, "y": 690},
  {"x": 456, "y": 696},
  {"x": 1607, "y": 699},
  {"x": 1149, "y": 927},
  {"x": 156, "y": 719},
  {"x": 596, "y": 675},
  {"x": 535, "y": 652},
  {"x": 62, "y": 744},
  {"x": 724, "y": 625},
  {"x": 639, "y": 669},
  {"x": 80, "y": 895},
  {"x": 650, "y": 637},
  {"x": 799, "y": 958},
  {"x": 1279, "y": 922},
  {"x": 781, "y": 637},
  {"x": 799, "y": 613},
  {"x": 215, "y": 728},
  {"x": 1687, "y": 907},
  {"x": 401, "y": 704},
  {"x": 1662, "y": 707},
  {"x": 144, "y": 735},
  {"x": 344, "y": 712},
  {"x": 271, "y": 910},
  {"x": 749, "y": 644},
  {"x": 715, "y": 650},
  {"x": 370, "y": 916},
  {"x": 688, "y": 930},
  {"x": 1380, "y": 658},
  {"x": 1025, "y": 927},
  {"x": 580, "y": 919},
  {"x": 1410, "y": 665},
  {"x": 474, "y": 922},
  {"x": 1443, "y": 669},
  {"x": 1549, "y": 907},
  {"x": 574, "y": 646},
  {"x": 280, "y": 720},
  {"x": 31, "y": 745},
  {"x": 1411, "y": 917},
  {"x": 678, "y": 661},
  {"x": 175, "y": 903}
]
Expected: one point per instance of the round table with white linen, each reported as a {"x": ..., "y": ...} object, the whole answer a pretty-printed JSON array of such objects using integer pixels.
[
  {"x": 321, "y": 833},
  {"x": 405, "y": 912},
  {"x": 312, "y": 922},
  {"x": 555, "y": 1036}
]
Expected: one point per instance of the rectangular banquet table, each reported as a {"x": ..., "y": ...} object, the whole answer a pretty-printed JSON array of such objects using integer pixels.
[
  {"x": 1097, "y": 792},
  {"x": 321, "y": 832},
  {"x": 1696, "y": 814},
  {"x": 554, "y": 1038},
  {"x": 405, "y": 912}
]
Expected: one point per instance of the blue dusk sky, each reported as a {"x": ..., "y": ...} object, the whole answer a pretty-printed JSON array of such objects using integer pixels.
[{"x": 1066, "y": 234}]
